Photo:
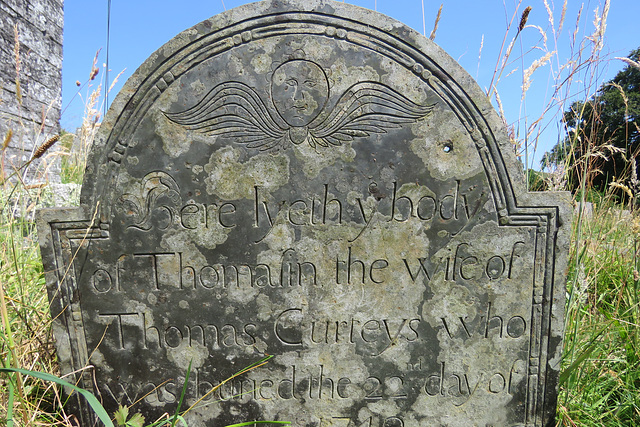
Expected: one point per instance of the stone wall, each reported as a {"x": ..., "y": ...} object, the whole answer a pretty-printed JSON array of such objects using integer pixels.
[{"x": 31, "y": 81}]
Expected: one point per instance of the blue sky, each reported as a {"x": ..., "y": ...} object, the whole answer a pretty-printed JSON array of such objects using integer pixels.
[{"x": 139, "y": 27}]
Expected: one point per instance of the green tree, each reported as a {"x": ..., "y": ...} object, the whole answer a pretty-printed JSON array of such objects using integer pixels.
[{"x": 603, "y": 133}]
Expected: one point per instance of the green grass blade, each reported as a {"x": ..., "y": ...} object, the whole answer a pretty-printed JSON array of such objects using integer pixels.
[
  {"x": 10, "y": 404},
  {"x": 564, "y": 375},
  {"x": 254, "y": 364},
  {"x": 184, "y": 391},
  {"x": 91, "y": 399}
]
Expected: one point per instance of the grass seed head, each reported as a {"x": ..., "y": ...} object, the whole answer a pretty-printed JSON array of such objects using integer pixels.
[
  {"x": 523, "y": 19},
  {"x": 44, "y": 147},
  {"x": 7, "y": 139},
  {"x": 94, "y": 67},
  {"x": 432, "y": 36}
]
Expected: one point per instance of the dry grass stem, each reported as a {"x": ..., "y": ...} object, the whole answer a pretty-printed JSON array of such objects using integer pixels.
[
  {"x": 501, "y": 109},
  {"x": 432, "y": 36},
  {"x": 113, "y": 83},
  {"x": 500, "y": 64},
  {"x": 615, "y": 184},
  {"x": 480, "y": 55},
  {"x": 562, "y": 16},
  {"x": 600, "y": 24},
  {"x": 529, "y": 71},
  {"x": 630, "y": 62},
  {"x": 543, "y": 34},
  {"x": 16, "y": 53},
  {"x": 577, "y": 28},
  {"x": 549, "y": 14},
  {"x": 94, "y": 67}
]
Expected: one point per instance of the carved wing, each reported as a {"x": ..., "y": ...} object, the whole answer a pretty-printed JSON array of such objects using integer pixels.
[
  {"x": 234, "y": 110},
  {"x": 365, "y": 108}
]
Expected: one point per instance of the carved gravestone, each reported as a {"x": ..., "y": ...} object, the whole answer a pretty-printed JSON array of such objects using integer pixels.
[{"x": 315, "y": 182}]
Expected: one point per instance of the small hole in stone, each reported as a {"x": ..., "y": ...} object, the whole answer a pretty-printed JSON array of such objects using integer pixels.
[{"x": 448, "y": 147}]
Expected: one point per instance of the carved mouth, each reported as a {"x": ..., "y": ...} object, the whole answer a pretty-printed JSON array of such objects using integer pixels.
[{"x": 301, "y": 108}]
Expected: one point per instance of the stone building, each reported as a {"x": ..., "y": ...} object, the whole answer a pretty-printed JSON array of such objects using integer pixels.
[{"x": 31, "y": 79}]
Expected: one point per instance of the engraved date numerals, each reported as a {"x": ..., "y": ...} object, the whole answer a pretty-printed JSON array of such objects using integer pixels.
[{"x": 391, "y": 388}]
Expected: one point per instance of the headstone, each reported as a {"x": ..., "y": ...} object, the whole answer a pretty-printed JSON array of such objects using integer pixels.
[{"x": 315, "y": 182}]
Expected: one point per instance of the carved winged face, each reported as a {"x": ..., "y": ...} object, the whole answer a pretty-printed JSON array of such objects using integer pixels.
[{"x": 299, "y": 90}]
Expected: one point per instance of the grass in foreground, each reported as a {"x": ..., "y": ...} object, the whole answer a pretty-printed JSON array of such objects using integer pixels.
[
  {"x": 25, "y": 337},
  {"x": 600, "y": 383}
]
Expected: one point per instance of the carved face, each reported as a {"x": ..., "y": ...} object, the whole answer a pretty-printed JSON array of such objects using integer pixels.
[{"x": 299, "y": 90}]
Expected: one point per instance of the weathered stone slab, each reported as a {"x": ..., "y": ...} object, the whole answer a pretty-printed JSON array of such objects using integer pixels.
[{"x": 316, "y": 182}]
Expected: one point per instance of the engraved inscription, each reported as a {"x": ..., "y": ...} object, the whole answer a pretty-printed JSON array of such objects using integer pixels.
[
  {"x": 317, "y": 383},
  {"x": 133, "y": 328},
  {"x": 158, "y": 205},
  {"x": 165, "y": 270}
]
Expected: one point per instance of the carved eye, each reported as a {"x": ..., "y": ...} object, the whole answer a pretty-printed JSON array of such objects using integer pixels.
[
  {"x": 310, "y": 83},
  {"x": 291, "y": 82}
]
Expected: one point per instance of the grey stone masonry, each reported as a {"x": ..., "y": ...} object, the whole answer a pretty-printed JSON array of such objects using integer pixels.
[
  {"x": 31, "y": 81},
  {"x": 318, "y": 184}
]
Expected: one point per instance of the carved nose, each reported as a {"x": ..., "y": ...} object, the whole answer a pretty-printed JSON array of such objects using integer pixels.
[{"x": 297, "y": 94}]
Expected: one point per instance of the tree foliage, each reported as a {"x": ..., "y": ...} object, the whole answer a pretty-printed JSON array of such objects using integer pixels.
[{"x": 603, "y": 133}]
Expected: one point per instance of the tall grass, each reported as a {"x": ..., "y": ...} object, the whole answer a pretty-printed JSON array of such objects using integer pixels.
[
  {"x": 600, "y": 377},
  {"x": 25, "y": 337},
  {"x": 600, "y": 382}
]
